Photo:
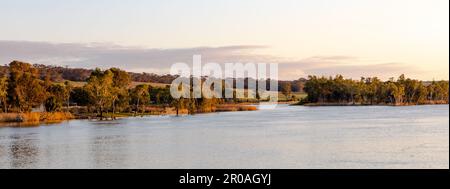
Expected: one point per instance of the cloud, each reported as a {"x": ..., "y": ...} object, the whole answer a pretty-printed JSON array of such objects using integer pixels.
[
  {"x": 351, "y": 68},
  {"x": 110, "y": 55},
  {"x": 138, "y": 59}
]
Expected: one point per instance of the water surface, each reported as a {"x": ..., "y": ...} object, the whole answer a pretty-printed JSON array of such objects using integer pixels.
[{"x": 287, "y": 137}]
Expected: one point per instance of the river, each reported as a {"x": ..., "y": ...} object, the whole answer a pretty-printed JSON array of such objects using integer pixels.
[{"x": 286, "y": 137}]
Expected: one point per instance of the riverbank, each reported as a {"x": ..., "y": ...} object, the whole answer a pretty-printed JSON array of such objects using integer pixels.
[
  {"x": 35, "y": 117},
  {"x": 375, "y": 104},
  {"x": 81, "y": 113}
]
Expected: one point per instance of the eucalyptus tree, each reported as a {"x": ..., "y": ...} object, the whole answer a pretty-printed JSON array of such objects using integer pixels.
[
  {"x": 25, "y": 89},
  {"x": 4, "y": 93},
  {"x": 100, "y": 87}
]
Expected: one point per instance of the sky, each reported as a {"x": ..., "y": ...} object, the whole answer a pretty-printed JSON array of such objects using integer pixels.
[{"x": 355, "y": 38}]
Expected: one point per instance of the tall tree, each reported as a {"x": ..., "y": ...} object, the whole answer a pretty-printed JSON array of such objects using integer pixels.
[
  {"x": 286, "y": 89},
  {"x": 178, "y": 104},
  {"x": 140, "y": 96},
  {"x": 4, "y": 93},
  {"x": 57, "y": 97},
  {"x": 81, "y": 96},
  {"x": 100, "y": 87},
  {"x": 67, "y": 92},
  {"x": 25, "y": 89},
  {"x": 120, "y": 84}
]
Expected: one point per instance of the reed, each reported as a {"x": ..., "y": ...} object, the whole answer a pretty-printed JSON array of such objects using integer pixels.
[
  {"x": 35, "y": 117},
  {"x": 235, "y": 108}
]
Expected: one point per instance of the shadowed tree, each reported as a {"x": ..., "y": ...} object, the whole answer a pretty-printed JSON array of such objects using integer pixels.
[
  {"x": 286, "y": 90},
  {"x": 4, "y": 93},
  {"x": 67, "y": 91},
  {"x": 57, "y": 98},
  {"x": 371, "y": 90},
  {"x": 140, "y": 96}
]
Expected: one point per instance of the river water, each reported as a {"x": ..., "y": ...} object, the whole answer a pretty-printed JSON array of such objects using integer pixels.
[{"x": 287, "y": 137}]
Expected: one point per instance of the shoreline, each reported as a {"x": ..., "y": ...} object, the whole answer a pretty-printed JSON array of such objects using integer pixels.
[
  {"x": 352, "y": 104},
  {"x": 37, "y": 118},
  {"x": 33, "y": 117}
]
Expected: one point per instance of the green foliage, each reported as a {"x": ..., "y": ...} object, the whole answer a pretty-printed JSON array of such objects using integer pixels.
[
  {"x": 374, "y": 91},
  {"x": 25, "y": 89},
  {"x": 81, "y": 97},
  {"x": 100, "y": 88},
  {"x": 120, "y": 96},
  {"x": 178, "y": 104},
  {"x": 4, "y": 93},
  {"x": 22, "y": 89},
  {"x": 160, "y": 95},
  {"x": 52, "y": 104},
  {"x": 286, "y": 90},
  {"x": 58, "y": 95},
  {"x": 140, "y": 97}
]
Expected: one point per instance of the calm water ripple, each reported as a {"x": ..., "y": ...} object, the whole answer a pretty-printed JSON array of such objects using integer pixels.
[{"x": 288, "y": 137}]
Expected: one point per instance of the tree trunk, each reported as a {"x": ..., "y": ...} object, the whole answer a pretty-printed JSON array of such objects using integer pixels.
[
  {"x": 101, "y": 113},
  {"x": 137, "y": 108},
  {"x": 5, "y": 107},
  {"x": 178, "y": 107},
  {"x": 113, "y": 110}
]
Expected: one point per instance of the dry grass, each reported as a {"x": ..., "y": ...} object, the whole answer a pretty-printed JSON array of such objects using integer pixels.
[
  {"x": 35, "y": 117},
  {"x": 9, "y": 117},
  {"x": 76, "y": 83},
  {"x": 156, "y": 85},
  {"x": 184, "y": 111},
  {"x": 173, "y": 111},
  {"x": 132, "y": 85},
  {"x": 29, "y": 117},
  {"x": 56, "y": 116},
  {"x": 296, "y": 95},
  {"x": 46, "y": 117},
  {"x": 235, "y": 108}
]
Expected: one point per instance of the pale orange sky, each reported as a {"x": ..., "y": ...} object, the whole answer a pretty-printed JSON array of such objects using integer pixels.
[{"x": 324, "y": 37}]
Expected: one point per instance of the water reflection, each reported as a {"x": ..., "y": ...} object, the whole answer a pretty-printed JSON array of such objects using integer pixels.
[
  {"x": 26, "y": 124},
  {"x": 288, "y": 137},
  {"x": 109, "y": 151},
  {"x": 23, "y": 151}
]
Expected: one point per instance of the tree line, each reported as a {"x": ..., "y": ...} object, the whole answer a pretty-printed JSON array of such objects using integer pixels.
[
  {"x": 22, "y": 89},
  {"x": 25, "y": 87},
  {"x": 61, "y": 74},
  {"x": 371, "y": 90}
]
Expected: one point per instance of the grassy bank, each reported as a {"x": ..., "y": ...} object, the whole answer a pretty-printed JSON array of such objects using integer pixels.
[
  {"x": 364, "y": 104},
  {"x": 48, "y": 117},
  {"x": 35, "y": 117},
  {"x": 82, "y": 113},
  {"x": 235, "y": 108}
]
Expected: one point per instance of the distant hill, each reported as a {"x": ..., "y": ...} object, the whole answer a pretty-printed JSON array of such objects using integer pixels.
[
  {"x": 78, "y": 77},
  {"x": 60, "y": 74}
]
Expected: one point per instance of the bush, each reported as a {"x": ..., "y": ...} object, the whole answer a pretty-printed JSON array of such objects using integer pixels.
[{"x": 35, "y": 117}]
